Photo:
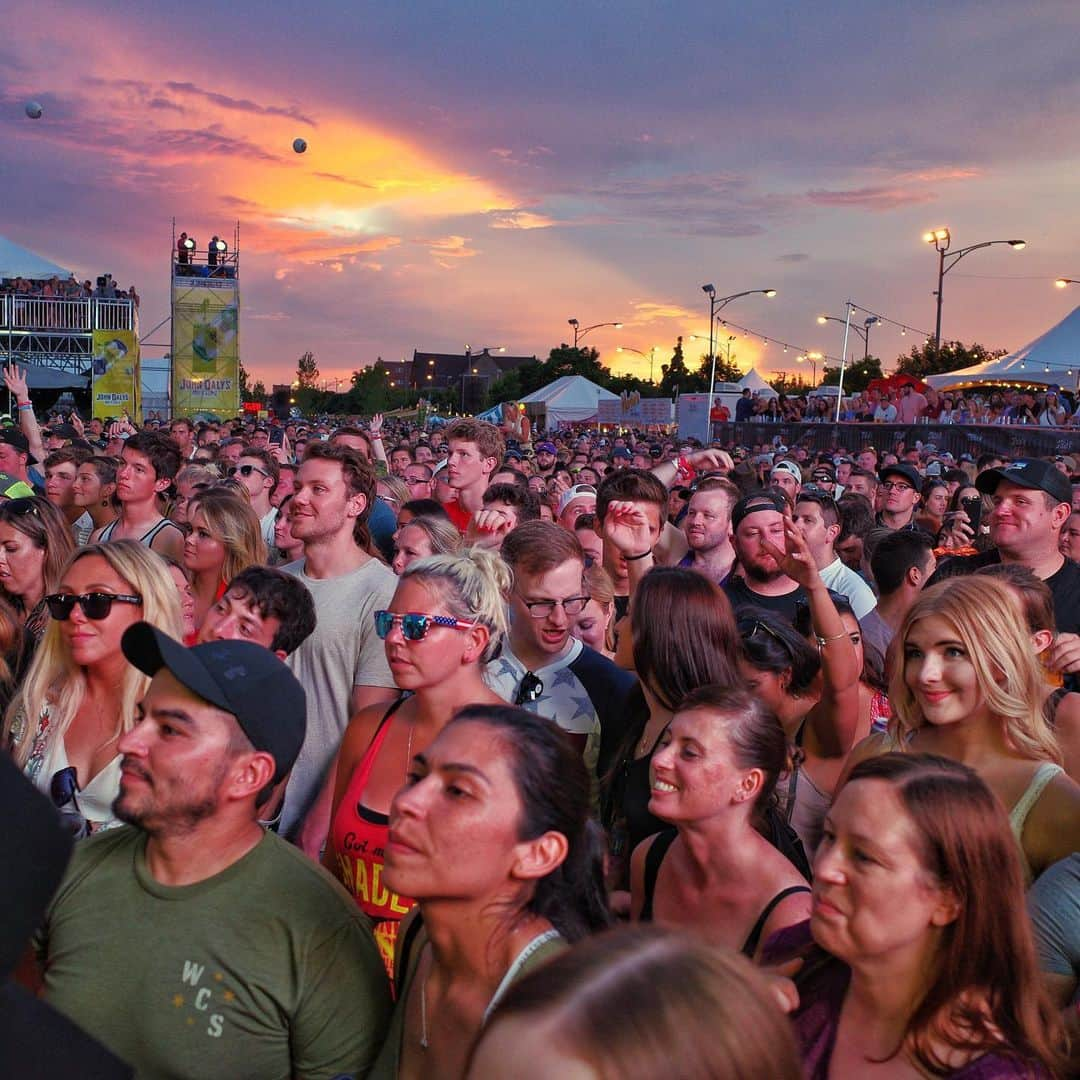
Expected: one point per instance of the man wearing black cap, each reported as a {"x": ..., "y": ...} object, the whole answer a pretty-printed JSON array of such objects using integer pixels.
[
  {"x": 195, "y": 944},
  {"x": 901, "y": 483},
  {"x": 15, "y": 457},
  {"x": 758, "y": 520},
  {"x": 1032, "y": 501}
]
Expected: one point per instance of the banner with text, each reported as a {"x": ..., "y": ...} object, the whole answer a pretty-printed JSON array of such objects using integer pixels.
[
  {"x": 115, "y": 373},
  {"x": 205, "y": 349}
]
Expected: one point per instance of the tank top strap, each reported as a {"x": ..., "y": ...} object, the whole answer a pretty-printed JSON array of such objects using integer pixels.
[
  {"x": 148, "y": 537},
  {"x": 106, "y": 533},
  {"x": 367, "y": 762},
  {"x": 653, "y": 858},
  {"x": 751, "y": 943},
  {"x": 1039, "y": 780}
]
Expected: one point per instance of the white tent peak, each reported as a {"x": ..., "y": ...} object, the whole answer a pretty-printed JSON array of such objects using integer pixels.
[
  {"x": 756, "y": 384},
  {"x": 16, "y": 261},
  {"x": 1058, "y": 349},
  {"x": 570, "y": 399}
]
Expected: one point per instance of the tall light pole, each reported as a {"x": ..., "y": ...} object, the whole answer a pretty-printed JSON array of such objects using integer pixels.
[
  {"x": 716, "y": 303},
  {"x": 863, "y": 331},
  {"x": 651, "y": 355},
  {"x": 813, "y": 357},
  {"x": 579, "y": 333},
  {"x": 941, "y": 239}
]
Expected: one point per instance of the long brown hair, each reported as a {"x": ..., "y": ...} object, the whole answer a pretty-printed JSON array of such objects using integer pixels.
[
  {"x": 986, "y": 994},
  {"x": 684, "y": 634}
]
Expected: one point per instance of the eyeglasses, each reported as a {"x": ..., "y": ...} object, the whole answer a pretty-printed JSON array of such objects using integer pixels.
[
  {"x": 246, "y": 470},
  {"x": 95, "y": 605},
  {"x": 890, "y": 485},
  {"x": 541, "y": 609},
  {"x": 414, "y": 625},
  {"x": 63, "y": 788},
  {"x": 530, "y": 689}
]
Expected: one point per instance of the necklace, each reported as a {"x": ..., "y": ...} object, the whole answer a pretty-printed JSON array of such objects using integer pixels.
[
  {"x": 423, "y": 1009},
  {"x": 408, "y": 750}
]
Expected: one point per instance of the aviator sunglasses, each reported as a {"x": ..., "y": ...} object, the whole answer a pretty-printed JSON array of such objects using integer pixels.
[
  {"x": 414, "y": 625},
  {"x": 95, "y": 605}
]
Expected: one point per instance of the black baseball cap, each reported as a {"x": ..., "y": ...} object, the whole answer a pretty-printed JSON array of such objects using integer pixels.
[
  {"x": 14, "y": 437},
  {"x": 908, "y": 472},
  {"x": 759, "y": 500},
  {"x": 1028, "y": 473},
  {"x": 239, "y": 677}
]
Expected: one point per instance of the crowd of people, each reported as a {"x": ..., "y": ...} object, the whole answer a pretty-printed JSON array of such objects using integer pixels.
[
  {"x": 71, "y": 288},
  {"x": 908, "y": 404},
  {"x": 377, "y": 750}
]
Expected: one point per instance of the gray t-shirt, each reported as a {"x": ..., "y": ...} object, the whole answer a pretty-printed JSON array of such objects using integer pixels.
[
  {"x": 1054, "y": 906},
  {"x": 343, "y": 651}
]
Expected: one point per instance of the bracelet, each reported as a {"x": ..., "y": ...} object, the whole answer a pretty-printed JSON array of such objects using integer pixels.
[
  {"x": 634, "y": 558},
  {"x": 821, "y": 641},
  {"x": 24, "y": 405},
  {"x": 377, "y": 437}
]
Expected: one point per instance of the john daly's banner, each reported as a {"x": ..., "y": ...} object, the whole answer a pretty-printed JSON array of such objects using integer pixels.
[
  {"x": 205, "y": 358},
  {"x": 115, "y": 369}
]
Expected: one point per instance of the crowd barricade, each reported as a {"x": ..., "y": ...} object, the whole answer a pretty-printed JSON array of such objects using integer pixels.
[{"x": 1012, "y": 440}]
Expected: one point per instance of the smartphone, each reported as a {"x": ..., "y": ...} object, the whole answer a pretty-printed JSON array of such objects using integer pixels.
[
  {"x": 277, "y": 436},
  {"x": 973, "y": 506}
]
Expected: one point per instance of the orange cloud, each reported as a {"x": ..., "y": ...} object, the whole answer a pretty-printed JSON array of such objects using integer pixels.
[{"x": 520, "y": 219}]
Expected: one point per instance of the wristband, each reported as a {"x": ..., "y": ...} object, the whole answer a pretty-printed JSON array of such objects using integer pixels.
[
  {"x": 377, "y": 437},
  {"x": 20, "y": 407},
  {"x": 634, "y": 558}
]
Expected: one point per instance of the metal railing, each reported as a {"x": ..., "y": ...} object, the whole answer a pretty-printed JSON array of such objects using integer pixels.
[{"x": 44, "y": 314}]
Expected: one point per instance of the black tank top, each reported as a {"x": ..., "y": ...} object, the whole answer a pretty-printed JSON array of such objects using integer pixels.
[{"x": 655, "y": 856}]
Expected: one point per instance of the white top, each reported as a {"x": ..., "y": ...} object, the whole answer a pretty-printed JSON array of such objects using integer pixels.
[
  {"x": 266, "y": 525},
  {"x": 842, "y": 579},
  {"x": 96, "y": 798}
]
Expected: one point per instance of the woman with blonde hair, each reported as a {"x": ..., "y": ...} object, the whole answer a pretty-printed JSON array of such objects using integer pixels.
[
  {"x": 595, "y": 625},
  {"x": 421, "y": 537},
  {"x": 447, "y": 619},
  {"x": 225, "y": 538},
  {"x": 35, "y": 543},
  {"x": 80, "y": 693},
  {"x": 628, "y": 1002},
  {"x": 966, "y": 684}
]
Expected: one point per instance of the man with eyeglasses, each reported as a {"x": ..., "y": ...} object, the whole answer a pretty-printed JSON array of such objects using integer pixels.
[
  {"x": 418, "y": 480},
  {"x": 160, "y": 940},
  {"x": 900, "y": 484},
  {"x": 541, "y": 667},
  {"x": 257, "y": 471}
]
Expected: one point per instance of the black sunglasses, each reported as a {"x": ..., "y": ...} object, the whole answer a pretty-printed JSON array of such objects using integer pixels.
[
  {"x": 95, "y": 605},
  {"x": 21, "y": 507},
  {"x": 530, "y": 689},
  {"x": 63, "y": 788},
  {"x": 246, "y": 470}
]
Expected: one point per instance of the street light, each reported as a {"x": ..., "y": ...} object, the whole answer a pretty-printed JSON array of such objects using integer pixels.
[
  {"x": 579, "y": 333},
  {"x": 813, "y": 357},
  {"x": 941, "y": 239},
  {"x": 1064, "y": 282},
  {"x": 716, "y": 304},
  {"x": 863, "y": 331},
  {"x": 651, "y": 354}
]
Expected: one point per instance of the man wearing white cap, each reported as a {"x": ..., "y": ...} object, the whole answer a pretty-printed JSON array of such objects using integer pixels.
[
  {"x": 787, "y": 476},
  {"x": 575, "y": 501}
]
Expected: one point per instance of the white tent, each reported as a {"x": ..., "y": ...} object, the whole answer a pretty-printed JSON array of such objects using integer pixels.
[
  {"x": 16, "y": 262},
  {"x": 758, "y": 386},
  {"x": 1050, "y": 360},
  {"x": 569, "y": 400}
]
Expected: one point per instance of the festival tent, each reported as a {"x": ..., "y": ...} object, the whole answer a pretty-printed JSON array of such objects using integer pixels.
[
  {"x": 16, "y": 262},
  {"x": 1050, "y": 360},
  {"x": 758, "y": 386},
  {"x": 569, "y": 400}
]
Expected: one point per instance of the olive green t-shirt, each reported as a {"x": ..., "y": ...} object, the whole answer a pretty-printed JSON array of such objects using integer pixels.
[{"x": 266, "y": 971}]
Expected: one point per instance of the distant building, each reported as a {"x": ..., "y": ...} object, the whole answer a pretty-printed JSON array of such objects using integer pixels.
[{"x": 443, "y": 371}]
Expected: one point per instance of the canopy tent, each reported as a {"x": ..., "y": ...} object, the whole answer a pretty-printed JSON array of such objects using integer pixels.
[
  {"x": 757, "y": 385},
  {"x": 1050, "y": 360},
  {"x": 569, "y": 400},
  {"x": 40, "y": 377},
  {"x": 17, "y": 262}
]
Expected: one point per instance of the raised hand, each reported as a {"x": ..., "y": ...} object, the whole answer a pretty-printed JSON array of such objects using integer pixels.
[
  {"x": 710, "y": 460},
  {"x": 15, "y": 381},
  {"x": 626, "y": 526},
  {"x": 795, "y": 558},
  {"x": 488, "y": 527},
  {"x": 376, "y": 424}
]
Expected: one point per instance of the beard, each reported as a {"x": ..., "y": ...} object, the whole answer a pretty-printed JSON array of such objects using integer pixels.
[
  {"x": 177, "y": 810},
  {"x": 763, "y": 574}
]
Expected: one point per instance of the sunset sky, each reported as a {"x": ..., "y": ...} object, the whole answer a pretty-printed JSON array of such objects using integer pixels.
[{"x": 481, "y": 172}]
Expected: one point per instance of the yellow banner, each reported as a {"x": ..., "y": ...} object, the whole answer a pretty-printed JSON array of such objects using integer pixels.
[
  {"x": 205, "y": 353},
  {"x": 115, "y": 369}
]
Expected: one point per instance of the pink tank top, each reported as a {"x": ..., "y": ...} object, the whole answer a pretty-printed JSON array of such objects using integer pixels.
[{"x": 357, "y": 840}]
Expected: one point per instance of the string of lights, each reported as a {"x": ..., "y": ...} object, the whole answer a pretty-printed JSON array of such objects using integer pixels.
[
  {"x": 903, "y": 327},
  {"x": 787, "y": 346}
]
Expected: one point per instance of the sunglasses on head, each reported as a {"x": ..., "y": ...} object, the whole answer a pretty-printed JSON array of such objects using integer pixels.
[
  {"x": 21, "y": 507},
  {"x": 415, "y": 625},
  {"x": 95, "y": 605}
]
